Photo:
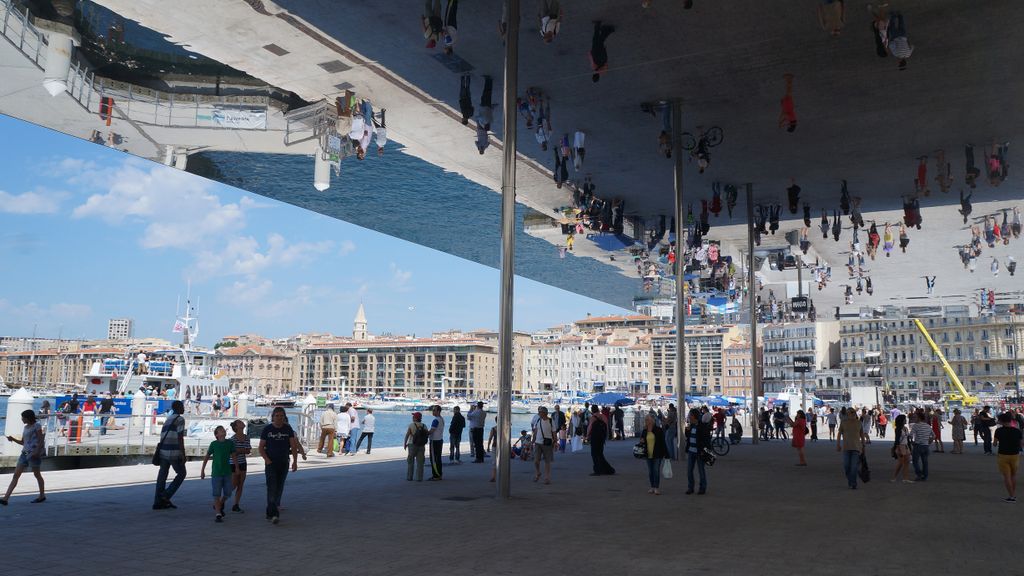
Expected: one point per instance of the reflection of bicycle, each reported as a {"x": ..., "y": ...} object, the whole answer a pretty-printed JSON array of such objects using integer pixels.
[
  {"x": 707, "y": 138},
  {"x": 720, "y": 446}
]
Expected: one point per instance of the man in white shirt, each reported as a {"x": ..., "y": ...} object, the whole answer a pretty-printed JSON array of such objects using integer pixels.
[
  {"x": 328, "y": 428},
  {"x": 344, "y": 428},
  {"x": 368, "y": 425},
  {"x": 477, "y": 417},
  {"x": 381, "y": 132},
  {"x": 362, "y": 131},
  {"x": 353, "y": 428},
  {"x": 436, "y": 442}
]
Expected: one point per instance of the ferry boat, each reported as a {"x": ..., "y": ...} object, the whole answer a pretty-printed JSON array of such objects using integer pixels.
[{"x": 181, "y": 373}]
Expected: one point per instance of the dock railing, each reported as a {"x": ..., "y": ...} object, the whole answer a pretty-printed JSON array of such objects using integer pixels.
[{"x": 137, "y": 435}]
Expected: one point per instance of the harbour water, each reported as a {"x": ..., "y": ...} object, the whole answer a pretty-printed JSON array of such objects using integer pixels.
[{"x": 388, "y": 194}]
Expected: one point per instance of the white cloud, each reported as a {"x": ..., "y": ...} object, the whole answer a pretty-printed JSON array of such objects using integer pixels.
[
  {"x": 37, "y": 202},
  {"x": 400, "y": 278},
  {"x": 178, "y": 208},
  {"x": 71, "y": 166},
  {"x": 244, "y": 255},
  {"x": 60, "y": 311},
  {"x": 347, "y": 247},
  {"x": 250, "y": 291}
]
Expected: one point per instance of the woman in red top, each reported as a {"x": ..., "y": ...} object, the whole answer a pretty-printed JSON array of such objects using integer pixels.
[
  {"x": 799, "y": 433},
  {"x": 936, "y": 426},
  {"x": 787, "y": 117}
]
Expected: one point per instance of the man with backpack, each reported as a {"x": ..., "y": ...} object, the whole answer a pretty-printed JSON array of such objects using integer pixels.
[{"x": 415, "y": 443}]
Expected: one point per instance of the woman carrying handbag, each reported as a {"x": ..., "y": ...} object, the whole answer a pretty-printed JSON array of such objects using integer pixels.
[{"x": 656, "y": 454}]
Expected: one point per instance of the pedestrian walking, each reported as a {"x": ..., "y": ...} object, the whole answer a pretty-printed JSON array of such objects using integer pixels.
[
  {"x": 921, "y": 437},
  {"x": 344, "y": 424},
  {"x": 455, "y": 428},
  {"x": 984, "y": 426},
  {"x": 598, "y": 51},
  {"x": 485, "y": 115},
  {"x": 369, "y": 425},
  {"x": 465, "y": 99},
  {"x": 436, "y": 442},
  {"x": 433, "y": 22},
  {"x": 899, "y": 45},
  {"x": 277, "y": 443},
  {"x": 698, "y": 439},
  {"x": 32, "y": 441},
  {"x": 812, "y": 419},
  {"x": 597, "y": 435},
  {"x": 222, "y": 451},
  {"x": 416, "y": 437},
  {"x": 354, "y": 431},
  {"x": 787, "y": 114},
  {"x": 550, "y": 16},
  {"x": 937, "y": 430},
  {"x": 901, "y": 450},
  {"x": 477, "y": 419},
  {"x": 850, "y": 441},
  {"x": 171, "y": 454},
  {"x": 656, "y": 454},
  {"x": 239, "y": 460},
  {"x": 561, "y": 426},
  {"x": 671, "y": 428},
  {"x": 543, "y": 444},
  {"x": 959, "y": 425},
  {"x": 831, "y": 420},
  {"x": 1008, "y": 441},
  {"x": 451, "y": 24},
  {"x": 328, "y": 429},
  {"x": 832, "y": 16},
  {"x": 380, "y": 131},
  {"x": 799, "y": 435}
]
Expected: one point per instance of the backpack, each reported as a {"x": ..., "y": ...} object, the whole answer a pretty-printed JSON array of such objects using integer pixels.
[{"x": 420, "y": 436}]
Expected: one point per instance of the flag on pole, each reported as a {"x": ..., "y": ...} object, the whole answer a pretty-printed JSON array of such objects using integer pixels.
[{"x": 179, "y": 327}]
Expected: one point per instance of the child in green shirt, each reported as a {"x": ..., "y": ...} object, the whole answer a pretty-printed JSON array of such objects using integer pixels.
[{"x": 222, "y": 450}]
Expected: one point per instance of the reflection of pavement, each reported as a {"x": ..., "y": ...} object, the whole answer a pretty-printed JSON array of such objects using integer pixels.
[
  {"x": 860, "y": 119},
  {"x": 757, "y": 501}
]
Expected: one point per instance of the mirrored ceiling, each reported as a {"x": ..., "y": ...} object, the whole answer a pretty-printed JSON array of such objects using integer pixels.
[{"x": 874, "y": 143}]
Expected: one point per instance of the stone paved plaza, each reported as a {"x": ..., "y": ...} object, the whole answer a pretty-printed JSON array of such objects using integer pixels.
[{"x": 761, "y": 515}]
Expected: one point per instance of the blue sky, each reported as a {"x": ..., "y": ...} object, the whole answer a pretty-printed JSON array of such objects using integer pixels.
[{"x": 88, "y": 233}]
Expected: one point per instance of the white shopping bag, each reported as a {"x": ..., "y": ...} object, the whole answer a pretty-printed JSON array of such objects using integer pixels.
[
  {"x": 577, "y": 443},
  {"x": 666, "y": 468}
]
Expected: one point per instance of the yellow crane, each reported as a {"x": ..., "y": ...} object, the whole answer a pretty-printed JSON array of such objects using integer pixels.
[{"x": 962, "y": 394}]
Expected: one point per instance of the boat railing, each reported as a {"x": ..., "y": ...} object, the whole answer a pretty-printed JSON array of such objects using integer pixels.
[{"x": 136, "y": 435}]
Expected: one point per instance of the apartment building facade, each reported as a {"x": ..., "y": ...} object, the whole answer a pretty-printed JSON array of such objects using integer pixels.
[
  {"x": 401, "y": 366},
  {"x": 984, "y": 353},
  {"x": 259, "y": 369},
  {"x": 704, "y": 346},
  {"x": 784, "y": 344}
]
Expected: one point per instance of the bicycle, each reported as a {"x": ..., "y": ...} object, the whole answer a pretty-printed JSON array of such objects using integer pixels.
[
  {"x": 709, "y": 138},
  {"x": 720, "y": 446}
]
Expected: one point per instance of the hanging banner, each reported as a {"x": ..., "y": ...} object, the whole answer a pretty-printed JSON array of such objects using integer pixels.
[{"x": 239, "y": 118}]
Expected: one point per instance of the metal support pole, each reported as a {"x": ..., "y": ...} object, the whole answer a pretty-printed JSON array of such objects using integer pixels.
[
  {"x": 800, "y": 294},
  {"x": 508, "y": 249},
  {"x": 1016, "y": 369},
  {"x": 680, "y": 364},
  {"x": 752, "y": 300}
]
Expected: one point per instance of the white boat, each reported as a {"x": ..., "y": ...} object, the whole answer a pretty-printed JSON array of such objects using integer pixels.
[
  {"x": 794, "y": 399},
  {"x": 181, "y": 373}
]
